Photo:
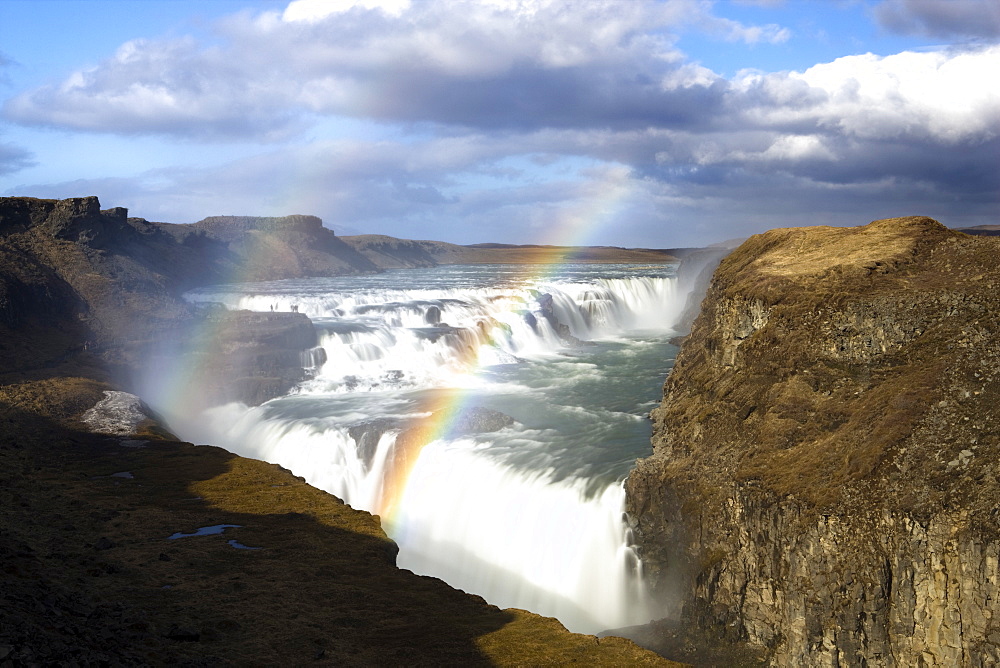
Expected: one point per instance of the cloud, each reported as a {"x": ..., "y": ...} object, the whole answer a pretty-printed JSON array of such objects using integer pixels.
[
  {"x": 475, "y": 64},
  {"x": 645, "y": 187},
  {"x": 13, "y": 158},
  {"x": 506, "y": 115},
  {"x": 954, "y": 18},
  {"x": 734, "y": 31},
  {"x": 315, "y": 10},
  {"x": 940, "y": 96},
  {"x": 502, "y": 65},
  {"x": 171, "y": 87}
]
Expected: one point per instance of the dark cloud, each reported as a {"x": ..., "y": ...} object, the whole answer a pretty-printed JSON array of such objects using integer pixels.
[
  {"x": 428, "y": 189},
  {"x": 935, "y": 18},
  {"x": 13, "y": 158}
]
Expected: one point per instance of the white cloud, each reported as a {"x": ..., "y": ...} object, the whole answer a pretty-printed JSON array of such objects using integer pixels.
[
  {"x": 464, "y": 62},
  {"x": 734, "y": 31},
  {"x": 315, "y": 10},
  {"x": 939, "y": 96},
  {"x": 173, "y": 87}
]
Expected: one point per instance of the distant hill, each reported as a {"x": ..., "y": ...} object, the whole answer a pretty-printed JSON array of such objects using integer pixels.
[
  {"x": 390, "y": 252},
  {"x": 981, "y": 230}
]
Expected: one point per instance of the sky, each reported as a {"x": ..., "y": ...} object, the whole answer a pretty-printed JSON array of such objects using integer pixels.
[{"x": 637, "y": 123}]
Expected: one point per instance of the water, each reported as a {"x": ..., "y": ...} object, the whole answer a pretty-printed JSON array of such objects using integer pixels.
[{"x": 487, "y": 415}]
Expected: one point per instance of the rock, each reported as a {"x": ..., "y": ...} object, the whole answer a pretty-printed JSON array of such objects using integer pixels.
[
  {"x": 266, "y": 248},
  {"x": 824, "y": 481},
  {"x": 237, "y": 356},
  {"x": 367, "y": 436},
  {"x": 478, "y": 420},
  {"x": 545, "y": 308},
  {"x": 182, "y": 634},
  {"x": 103, "y": 543},
  {"x": 118, "y": 413}
]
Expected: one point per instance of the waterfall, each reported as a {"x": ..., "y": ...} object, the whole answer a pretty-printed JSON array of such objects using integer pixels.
[{"x": 523, "y": 506}]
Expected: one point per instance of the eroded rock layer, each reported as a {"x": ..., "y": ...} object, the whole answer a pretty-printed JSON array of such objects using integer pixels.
[{"x": 824, "y": 480}]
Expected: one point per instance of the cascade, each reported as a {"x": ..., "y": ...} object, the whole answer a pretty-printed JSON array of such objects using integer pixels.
[{"x": 483, "y": 419}]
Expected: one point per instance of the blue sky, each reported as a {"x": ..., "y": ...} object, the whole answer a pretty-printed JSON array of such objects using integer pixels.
[{"x": 656, "y": 123}]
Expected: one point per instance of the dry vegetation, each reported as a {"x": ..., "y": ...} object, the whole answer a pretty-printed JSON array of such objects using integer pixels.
[{"x": 823, "y": 356}]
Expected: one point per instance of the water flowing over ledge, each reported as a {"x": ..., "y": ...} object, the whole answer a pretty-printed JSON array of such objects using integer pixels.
[{"x": 489, "y": 417}]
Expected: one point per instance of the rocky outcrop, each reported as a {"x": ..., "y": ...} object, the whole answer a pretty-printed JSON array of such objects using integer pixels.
[
  {"x": 241, "y": 356},
  {"x": 119, "y": 413},
  {"x": 825, "y": 477},
  {"x": 91, "y": 288}
]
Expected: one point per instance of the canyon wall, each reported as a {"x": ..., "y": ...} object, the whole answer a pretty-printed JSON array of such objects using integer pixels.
[
  {"x": 86, "y": 291},
  {"x": 824, "y": 482}
]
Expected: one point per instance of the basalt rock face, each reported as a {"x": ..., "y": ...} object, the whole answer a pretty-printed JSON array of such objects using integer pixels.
[
  {"x": 85, "y": 286},
  {"x": 243, "y": 356},
  {"x": 824, "y": 481},
  {"x": 71, "y": 283}
]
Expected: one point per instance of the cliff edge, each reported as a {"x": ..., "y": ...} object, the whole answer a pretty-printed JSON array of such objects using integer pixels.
[{"x": 824, "y": 482}]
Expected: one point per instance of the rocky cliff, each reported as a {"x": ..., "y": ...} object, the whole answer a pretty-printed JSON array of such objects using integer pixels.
[
  {"x": 824, "y": 482},
  {"x": 94, "y": 292}
]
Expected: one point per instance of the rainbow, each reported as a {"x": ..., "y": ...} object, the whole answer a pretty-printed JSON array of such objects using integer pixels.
[
  {"x": 170, "y": 383},
  {"x": 572, "y": 226}
]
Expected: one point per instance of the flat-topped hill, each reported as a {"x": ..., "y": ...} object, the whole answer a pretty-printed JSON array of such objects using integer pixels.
[
  {"x": 231, "y": 226},
  {"x": 983, "y": 230}
]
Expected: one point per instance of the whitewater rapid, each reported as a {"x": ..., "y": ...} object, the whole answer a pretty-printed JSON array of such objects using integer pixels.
[{"x": 488, "y": 416}]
